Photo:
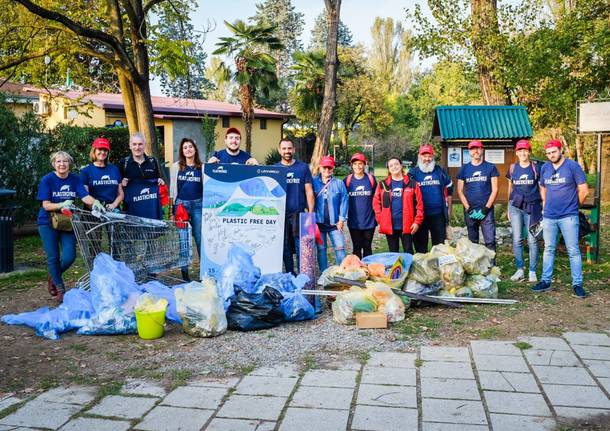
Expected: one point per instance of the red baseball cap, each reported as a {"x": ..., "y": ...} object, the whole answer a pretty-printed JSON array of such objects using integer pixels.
[
  {"x": 358, "y": 157},
  {"x": 475, "y": 144},
  {"x": 232, "y": 130},
  {"x": 102, "y": 143},
  {"x": 327, "y": 162},
  {"x": 553, "y": 143},
  {"x": 426, "y": 149},
  {"x": 523, "y": 144}
]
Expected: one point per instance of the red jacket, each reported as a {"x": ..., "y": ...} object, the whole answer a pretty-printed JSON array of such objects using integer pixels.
[{"x": 412, "y": 205}]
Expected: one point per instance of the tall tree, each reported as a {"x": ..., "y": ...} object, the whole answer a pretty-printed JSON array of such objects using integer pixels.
[
  {"x": 319, "y": 33},
  {"x": 254, "y": 66},
  {"x": 486, "y": 42},
  {"x": 186, "y": 79},
  {"x": 307, "y": 94},
  {"x": 329, "y": 103},
  {"x": 288, "y": 28},
  {"x": 114, "y": 31},
  {"x": 220, "y": 88},
  {"x": 390, "y": 55}
]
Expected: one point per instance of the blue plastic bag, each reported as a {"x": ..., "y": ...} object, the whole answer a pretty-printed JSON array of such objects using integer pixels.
[
  {"x": 111, "y": 321},
  {"x": 283, "y": 282},
  {"x": 238, "y": 272},
  {"x": 296, "y": 307},
  {"x": 111, "y": 282}
]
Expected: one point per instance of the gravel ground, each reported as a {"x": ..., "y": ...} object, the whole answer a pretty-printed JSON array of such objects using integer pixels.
[{"x": 322, "y": 340}]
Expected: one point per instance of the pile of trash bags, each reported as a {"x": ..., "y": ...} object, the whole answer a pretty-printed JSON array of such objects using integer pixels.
[
  {"x": 242, "y": 299},
  {"x": 465, "y": 270}
]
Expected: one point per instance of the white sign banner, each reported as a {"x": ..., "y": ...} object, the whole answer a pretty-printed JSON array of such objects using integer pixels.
[
  {"x": 454, "y": 157},
  {"x": 243, "y": 205},
  {"x": 594, "y": 117},
  {"x": 495, "y": 156}
]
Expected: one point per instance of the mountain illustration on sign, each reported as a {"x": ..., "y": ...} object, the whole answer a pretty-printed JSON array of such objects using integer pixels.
[{"x": 255, "y": 195}]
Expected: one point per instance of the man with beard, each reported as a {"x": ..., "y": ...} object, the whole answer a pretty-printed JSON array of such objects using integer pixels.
[
  {"x": 477, "y": 188},
  {"x": 563, "y": 189},
  {"x": 299, "y": 196},
  {"x": 232, "y": 154},
  {"x": 436, "y": 188}
]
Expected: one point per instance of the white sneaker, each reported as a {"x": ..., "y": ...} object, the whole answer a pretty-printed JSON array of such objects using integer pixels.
[
  {"x": 532, "y": 277},
  {"x": 518, "y": 276}
]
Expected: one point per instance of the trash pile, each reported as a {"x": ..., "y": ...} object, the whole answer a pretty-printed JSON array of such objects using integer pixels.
[
  {"x": 242, "y": 300},
  {"x": 465, "y": 270},
  {"x": 370, "y": 282}
]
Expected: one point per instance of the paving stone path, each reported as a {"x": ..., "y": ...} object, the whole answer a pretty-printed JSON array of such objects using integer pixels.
[{"x": 489, "y": 385}]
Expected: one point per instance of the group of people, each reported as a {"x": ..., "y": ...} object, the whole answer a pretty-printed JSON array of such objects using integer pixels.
[{"x": 411, "y": 208}]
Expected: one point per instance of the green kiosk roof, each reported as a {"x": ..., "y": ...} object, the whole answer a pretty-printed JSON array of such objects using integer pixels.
[{"x": 481, "y": 122}]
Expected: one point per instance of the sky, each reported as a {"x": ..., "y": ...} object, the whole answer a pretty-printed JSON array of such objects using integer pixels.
[{"x": 357, "y": 15}]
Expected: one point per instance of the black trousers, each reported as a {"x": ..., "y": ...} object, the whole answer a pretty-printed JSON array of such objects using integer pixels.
[
  {"x": 435, "y": 226},
  {"x": 397, "y": 237},
  {"x": 362, "y": 240}
]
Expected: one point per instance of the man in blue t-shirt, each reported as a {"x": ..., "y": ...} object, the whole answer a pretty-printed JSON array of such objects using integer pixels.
[
  {"x": 477, "y": 188},
  {"x": 563, "y": 189},
  {"x": 436, "y": 188},
  {"x": 232, "y": 154},
  {"x": 299, "y": 196}
]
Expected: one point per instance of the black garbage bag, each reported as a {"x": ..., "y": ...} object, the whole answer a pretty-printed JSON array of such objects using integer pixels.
[{"x": 255, "y": 311}]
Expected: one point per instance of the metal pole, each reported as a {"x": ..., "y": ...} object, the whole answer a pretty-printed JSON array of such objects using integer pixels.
[{"x": 598, "y": 190}]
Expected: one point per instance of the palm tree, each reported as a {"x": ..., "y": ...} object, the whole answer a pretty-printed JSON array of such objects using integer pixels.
[
  {"x": 308, "y": 91},
  {"x": 255, "y": 69}
]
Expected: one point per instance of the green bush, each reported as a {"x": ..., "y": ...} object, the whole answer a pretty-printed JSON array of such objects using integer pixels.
[{"x": 25, "y": 150}]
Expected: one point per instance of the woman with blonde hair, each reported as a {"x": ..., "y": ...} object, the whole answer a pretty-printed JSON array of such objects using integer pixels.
[{"x": 57, "y": 191}]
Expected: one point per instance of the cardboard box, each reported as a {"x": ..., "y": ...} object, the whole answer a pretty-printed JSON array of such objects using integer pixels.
[{"x": 371, "y": 320}]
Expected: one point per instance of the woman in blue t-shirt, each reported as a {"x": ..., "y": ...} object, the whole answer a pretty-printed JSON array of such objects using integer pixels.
[
  {"x": 361, "y": 217},
  {"x": 186, "y": 188},
  {"x": 56, "y": 192},
  {"x": 524, "y": 208},
  {"x": 102, "y": 179}
]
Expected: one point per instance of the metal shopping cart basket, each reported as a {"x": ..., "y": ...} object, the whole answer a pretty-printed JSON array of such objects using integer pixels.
[{"x": 147, "y": 246}]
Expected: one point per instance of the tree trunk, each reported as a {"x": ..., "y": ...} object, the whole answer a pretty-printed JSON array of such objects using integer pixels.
[
  {"x": 146, "y": 121},
  {"x": 129, "y": 102},
  {"x": 605, "y": 171},
  {"x": 327, "y": 115},
  {"x": 485, "y": 37}
]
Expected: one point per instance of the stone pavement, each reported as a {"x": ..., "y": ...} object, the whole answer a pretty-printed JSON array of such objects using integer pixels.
[{"x": 536, "y": 384}]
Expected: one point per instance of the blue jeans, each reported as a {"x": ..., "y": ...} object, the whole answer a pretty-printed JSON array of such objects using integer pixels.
[
  {"x": 194, "y": 209},
  {"x": 568, "y": 226},
  {"x": 487, "y": 225},
  {"x": 519, "y": 218},
  {"x": 338, "y": 241},
  {"x": 51, "y": 241}
]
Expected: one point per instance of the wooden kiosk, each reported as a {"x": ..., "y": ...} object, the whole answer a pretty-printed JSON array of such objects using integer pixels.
[{"x": 498, "y": 127}]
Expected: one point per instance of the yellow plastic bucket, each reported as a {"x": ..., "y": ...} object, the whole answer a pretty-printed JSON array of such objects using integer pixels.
[{"x": 150, "y": 325}]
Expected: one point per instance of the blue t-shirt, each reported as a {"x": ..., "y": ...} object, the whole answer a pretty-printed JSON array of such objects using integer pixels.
[
  {"x": 142, "y": 199},
  {"x": 56, "y": 190},
  {"x": 477, "y": 182},
  {"x": 325, "y": 225},
  {"x": 189, "y": 184},
  {"x": 525, "y": 181},
  {"x": 561, "y": 188},
  {"x": 431, "y": 189},
  {"x": 397, "y": 189},
  {"x": 297, "y": 175},
  {"x": 240, "y": 159},
  {"x": 103, "y": 183},
  {"x": 360, "y": 192}
]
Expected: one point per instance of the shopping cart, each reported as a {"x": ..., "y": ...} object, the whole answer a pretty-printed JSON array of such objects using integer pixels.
[{"x": 147, "y": 246}]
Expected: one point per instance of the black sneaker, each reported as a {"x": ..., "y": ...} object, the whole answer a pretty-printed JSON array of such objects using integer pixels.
[
  {"x": 579, "y": 292},
  {"x": 542, "y": 286}
]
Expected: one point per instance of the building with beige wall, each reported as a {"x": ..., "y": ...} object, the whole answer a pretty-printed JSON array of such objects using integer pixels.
[{"x": 174, "y": 118}]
